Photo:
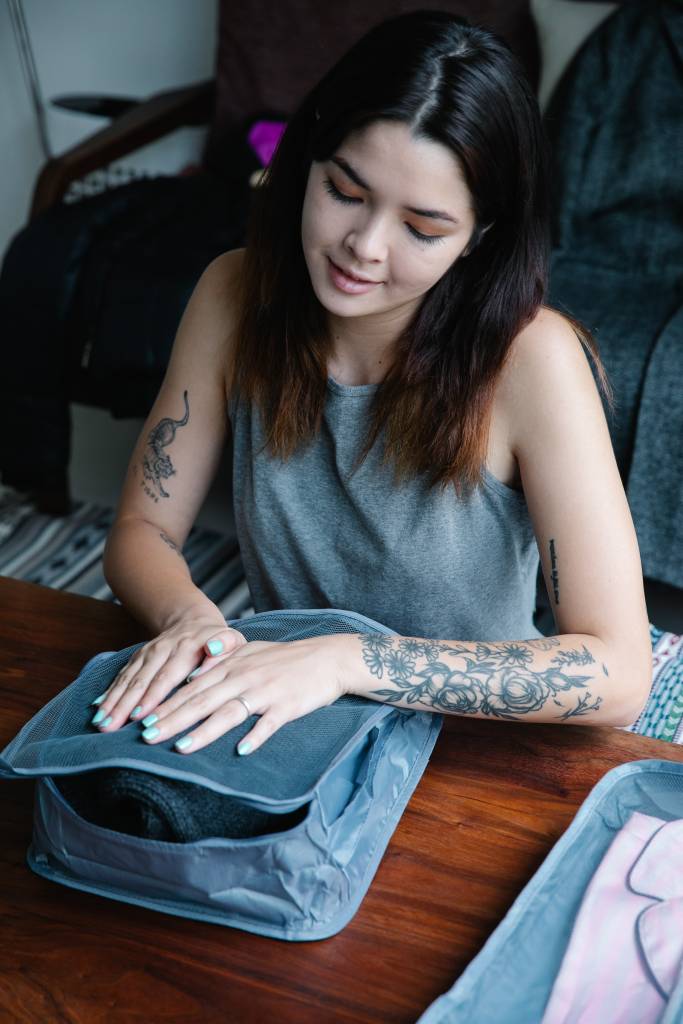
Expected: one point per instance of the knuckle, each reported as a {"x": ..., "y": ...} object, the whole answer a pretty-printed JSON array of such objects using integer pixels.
[
  {"x": 161, "y": 678},
  {"x": 135, "y": 684},
  {"x": 196, "y": 700},
  {"x": 271, "y": 721}
]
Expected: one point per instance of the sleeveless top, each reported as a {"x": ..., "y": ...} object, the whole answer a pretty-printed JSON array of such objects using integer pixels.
[{"x": 419, "y": 560}]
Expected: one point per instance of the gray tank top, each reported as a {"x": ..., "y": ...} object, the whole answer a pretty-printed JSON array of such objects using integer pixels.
[{"x": 423, "y": 562}]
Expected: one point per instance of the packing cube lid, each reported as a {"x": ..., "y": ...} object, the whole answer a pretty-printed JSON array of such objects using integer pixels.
[{"x": 281, "y": 774}]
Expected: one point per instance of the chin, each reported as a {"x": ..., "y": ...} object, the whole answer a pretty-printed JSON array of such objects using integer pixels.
[{"x": 333, "y": 305}]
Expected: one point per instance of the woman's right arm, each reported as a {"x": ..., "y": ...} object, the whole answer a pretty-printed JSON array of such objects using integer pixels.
[{"x": 170, "y": 472}]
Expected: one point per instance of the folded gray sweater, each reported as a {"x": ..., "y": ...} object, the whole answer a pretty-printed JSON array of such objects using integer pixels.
[{"x": 153, "y": 807}]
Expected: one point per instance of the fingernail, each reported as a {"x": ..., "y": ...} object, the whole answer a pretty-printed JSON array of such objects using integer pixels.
[
  {"x": 215, "y": 646},
  {"x": 192, "y": 675},
  {"x": 98, "y": 700},
  {"x": 150, "y": 734},
  {"x": 136, "y": 712},
  {"x": 98, "y": 716},
  {"x": 244, "y": 747},
  {"x": 107, "y": 722},
  {"x": 183, "y": 743},
  {"x": 150, "y": 720}
]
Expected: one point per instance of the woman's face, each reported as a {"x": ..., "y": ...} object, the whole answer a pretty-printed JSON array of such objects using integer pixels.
[{"x": 387, "y": 208}]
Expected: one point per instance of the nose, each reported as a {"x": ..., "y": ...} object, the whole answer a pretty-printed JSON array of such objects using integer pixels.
[{"x": 367, "y": 240}]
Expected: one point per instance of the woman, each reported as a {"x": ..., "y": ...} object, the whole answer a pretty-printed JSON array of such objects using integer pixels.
[{"x": 412, "y": 427}]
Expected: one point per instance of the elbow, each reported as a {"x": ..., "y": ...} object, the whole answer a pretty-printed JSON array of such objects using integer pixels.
[
  {"x": 111, "y": 551},
  {"x": 107, "y": 560},
  {"x": 636, "y": 691},
  {"x": 634, "y": 709},
  {"x": 627, "y": 682}
]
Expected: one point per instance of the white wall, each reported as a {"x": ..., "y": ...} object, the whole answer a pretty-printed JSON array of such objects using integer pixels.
[{"x": 128, "y": 47}]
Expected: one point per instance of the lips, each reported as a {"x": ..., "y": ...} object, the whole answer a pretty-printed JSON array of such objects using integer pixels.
[
  {"x": 348, "y": 283},
  {"x": 352, "y": 276}
]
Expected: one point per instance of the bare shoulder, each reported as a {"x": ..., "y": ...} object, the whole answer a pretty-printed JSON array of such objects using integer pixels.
[
  {"x": 216, "y": 303},
  {"x": 223, "y": 272},
  {"x": 547, "y": 341},
  {"x": 221, "y": 283},
  {"x": 547, "y": 367}
]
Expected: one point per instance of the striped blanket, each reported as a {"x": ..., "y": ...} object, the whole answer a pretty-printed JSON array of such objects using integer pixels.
[{"x": 65, "y": 552}]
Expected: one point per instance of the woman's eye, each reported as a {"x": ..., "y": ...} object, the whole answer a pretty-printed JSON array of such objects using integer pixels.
[
  {"x": 341, "y": 197},
  {"x": 427, "y": 239}
]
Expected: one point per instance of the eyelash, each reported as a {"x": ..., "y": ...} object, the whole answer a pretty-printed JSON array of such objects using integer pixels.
[{"x": 332, "y": 189}]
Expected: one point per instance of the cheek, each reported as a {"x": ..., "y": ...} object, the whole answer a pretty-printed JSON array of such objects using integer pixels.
[
  {"x": 425, "y": 267},
  {"x": 319, "y": 224}
]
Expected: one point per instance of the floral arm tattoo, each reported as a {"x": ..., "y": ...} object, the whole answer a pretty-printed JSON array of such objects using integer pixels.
[{"x": 484, "y": 679}]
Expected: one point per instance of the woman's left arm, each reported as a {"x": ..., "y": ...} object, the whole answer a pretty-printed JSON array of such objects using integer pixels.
[{"x": 598, "y": 668}]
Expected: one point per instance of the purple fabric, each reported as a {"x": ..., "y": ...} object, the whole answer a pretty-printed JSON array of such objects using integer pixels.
[{"x": 264, "y": 137}]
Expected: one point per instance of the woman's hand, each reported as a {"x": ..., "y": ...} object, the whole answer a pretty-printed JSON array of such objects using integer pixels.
[
  {"x": 157, "y": 668},
  {"x": 276, "y": 681}
]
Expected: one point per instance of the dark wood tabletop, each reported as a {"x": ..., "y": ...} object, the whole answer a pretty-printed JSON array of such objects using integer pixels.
[{"x": 492, "y": 802}]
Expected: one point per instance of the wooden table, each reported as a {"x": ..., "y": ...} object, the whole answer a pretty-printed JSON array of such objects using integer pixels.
[{"x": 494, "y": 799}]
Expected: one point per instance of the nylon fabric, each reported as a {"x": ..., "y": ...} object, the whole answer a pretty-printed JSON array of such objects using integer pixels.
[
  {"x": 511, "y": 979},
  {"x": 300, "y": 825},
  {"x": 60, "y": 738}
]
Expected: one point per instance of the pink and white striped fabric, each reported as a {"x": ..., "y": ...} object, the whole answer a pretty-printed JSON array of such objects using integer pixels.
[{"x": 625, "y": 954}]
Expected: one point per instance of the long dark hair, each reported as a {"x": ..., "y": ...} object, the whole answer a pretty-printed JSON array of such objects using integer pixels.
[{"x": 460, "y": 86}]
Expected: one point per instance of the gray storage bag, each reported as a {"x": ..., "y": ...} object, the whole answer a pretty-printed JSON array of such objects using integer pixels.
[
  {"x": 302, "y": 822},
  {"x": 511, "y": 978}
]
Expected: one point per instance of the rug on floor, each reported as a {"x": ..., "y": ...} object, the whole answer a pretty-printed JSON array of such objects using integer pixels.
[{"x": 65, "y": 552}]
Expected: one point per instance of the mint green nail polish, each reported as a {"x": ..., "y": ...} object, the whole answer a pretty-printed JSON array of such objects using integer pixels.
[
  {"x": 150, "y": 720},
  {"x": 183, "y": 743},
  {"x": 244, "y": 747},
  {"x": 135, "y": 712},
  {"x": 215, "y": 646},
  {"x": 98, "y": 700},
  {"x": 150, "y": 734},
  {"x": 98, "y": 716},
  {"x": 106, "y": 722},
  {"x": 192, "y": 675}
]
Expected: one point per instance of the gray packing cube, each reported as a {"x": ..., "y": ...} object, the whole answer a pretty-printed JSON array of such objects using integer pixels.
[
  {"x": 346, "y": 772},
  {"x": 511, "y": 978}
]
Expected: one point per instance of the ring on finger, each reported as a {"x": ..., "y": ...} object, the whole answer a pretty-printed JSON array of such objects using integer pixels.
[{"x": 244, "y": 704}]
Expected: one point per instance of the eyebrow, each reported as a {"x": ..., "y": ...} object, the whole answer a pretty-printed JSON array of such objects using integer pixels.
[{"x": 355, "y": 176}]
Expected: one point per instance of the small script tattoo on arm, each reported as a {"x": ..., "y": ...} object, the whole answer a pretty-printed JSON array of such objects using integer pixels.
[
  {"x": 554, "y": 575},
  {"x": 171, "y": 543},
  {"x": 496, "y": 681},
  {"x": 156, "y": 464}
]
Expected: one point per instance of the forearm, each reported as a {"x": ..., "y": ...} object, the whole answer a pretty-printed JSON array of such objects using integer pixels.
[
  {"x": 568, "y": 678},
  {"x": 147, "y": 572}
]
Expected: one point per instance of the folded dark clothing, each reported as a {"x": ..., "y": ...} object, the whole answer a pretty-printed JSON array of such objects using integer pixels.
[{"x": 152, "y": 807}]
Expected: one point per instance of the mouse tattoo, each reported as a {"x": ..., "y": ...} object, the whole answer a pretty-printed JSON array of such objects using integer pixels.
[{"x": 156, "y": 464}]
